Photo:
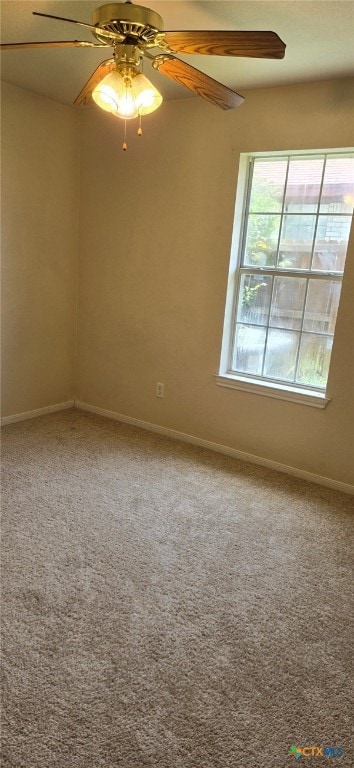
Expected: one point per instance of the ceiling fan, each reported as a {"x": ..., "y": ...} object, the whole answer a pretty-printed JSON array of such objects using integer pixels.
[{"x": 135, "y": 32}]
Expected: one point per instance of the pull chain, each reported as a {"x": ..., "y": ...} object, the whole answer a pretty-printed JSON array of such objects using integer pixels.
[
  {"x": 140, "y": 133},
  {"x": 124, "y": 145}
]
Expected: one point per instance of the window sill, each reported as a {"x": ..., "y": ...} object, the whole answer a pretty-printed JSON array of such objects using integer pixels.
[{"x": 278, "y": 391}]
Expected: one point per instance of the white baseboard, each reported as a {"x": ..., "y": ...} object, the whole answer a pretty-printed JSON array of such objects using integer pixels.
[
  {"x": 233, "y": 452},
  {"x": 38, "y": 412},
  {"x": 172, "y": 433}
]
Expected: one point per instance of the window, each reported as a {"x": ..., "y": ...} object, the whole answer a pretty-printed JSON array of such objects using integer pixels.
[{"x": 286, "y": 273}]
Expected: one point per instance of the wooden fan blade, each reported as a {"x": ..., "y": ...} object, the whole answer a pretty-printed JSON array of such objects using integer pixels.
[
  {"x": 197, "y": 81},
  {"x": 53, "y": 44},
  {"x": 265, "y": 45},
  {"x": 102, "y": 32},
  {"x": 102, "y": 70}
]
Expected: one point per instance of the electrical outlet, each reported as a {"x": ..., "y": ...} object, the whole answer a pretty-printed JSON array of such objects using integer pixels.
[{"x": 160, "y": 389}]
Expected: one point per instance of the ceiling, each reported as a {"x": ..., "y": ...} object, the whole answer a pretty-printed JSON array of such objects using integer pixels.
[{"x": 318, "y": 35}]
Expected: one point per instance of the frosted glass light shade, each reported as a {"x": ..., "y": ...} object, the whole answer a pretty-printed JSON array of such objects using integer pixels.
[
  {"x": 147, "y": 97},
  {"x": 126, "y": 97},
  {"x": 108, "y": 92}
]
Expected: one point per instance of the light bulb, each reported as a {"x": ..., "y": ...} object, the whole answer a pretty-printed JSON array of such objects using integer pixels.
[
  {"x": 147, "y": 97},
  {"x": 107, "y": 93},
  {"x": 126, "y": 104}
]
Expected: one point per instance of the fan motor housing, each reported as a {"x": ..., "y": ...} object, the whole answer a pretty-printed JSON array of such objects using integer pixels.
[{"x": 132, "y": 21}]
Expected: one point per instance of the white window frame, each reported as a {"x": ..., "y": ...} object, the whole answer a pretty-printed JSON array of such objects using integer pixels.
[{"x": 226, "y": 377}]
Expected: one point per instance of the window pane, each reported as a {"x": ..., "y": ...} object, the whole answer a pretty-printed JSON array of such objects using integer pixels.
[
  {"x": 288, "y": 302},
  {"x": 314, "y": 357},
  {"x": 268, "y": 185},
  {"x": 331, "y": 243},
  {"x": 321, "y": 306},
  {"x": 281, "y": 353},
  {"x": 255, "y": 293},
  {"x": 338, "y": 185},
  {"x": 304, "y": 184},
  {"x": 262, "y": 240},
  {"x": 296, "y": 241},
  {"x": 249, "y": 348},
  {"x": 296, "y": 228}
]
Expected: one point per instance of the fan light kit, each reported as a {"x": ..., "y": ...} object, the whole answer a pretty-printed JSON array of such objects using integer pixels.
[
  {"x": 125, "y": 92},
  {"x": 119, "y": 86}
]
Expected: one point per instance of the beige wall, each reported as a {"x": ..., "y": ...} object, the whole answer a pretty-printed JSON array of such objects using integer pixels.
[
  {"x": 39, "y": 169},
  {"x": 155, "y": 236},
  {"x": 154, "y": 243}
]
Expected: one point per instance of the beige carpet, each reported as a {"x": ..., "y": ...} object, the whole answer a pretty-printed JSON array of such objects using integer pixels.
[{"x": 166, "y": 606}]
